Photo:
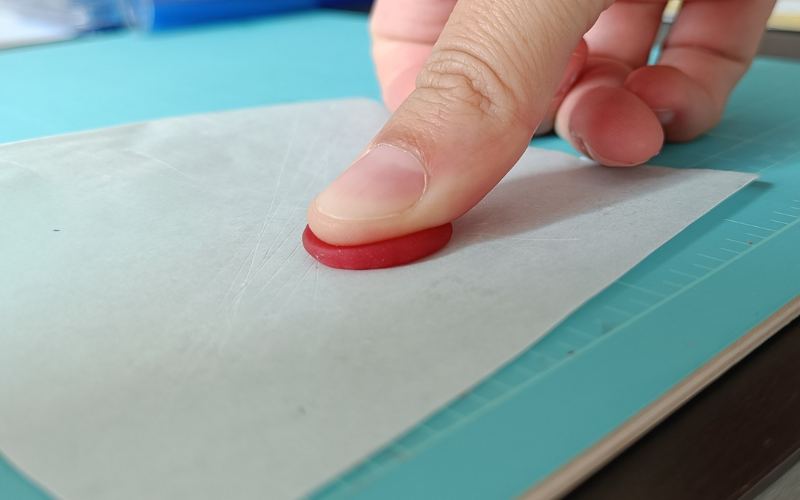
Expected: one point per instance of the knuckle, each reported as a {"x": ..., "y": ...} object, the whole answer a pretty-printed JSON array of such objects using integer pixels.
[
  {"x": 457, "y": 73},
  {"x": 463, "y": 77}
]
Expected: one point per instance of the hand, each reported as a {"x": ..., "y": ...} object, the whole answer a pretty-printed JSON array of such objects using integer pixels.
[{"x": 470, "y": 83}]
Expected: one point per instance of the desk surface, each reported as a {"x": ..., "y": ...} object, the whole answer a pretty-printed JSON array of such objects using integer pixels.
[{"x": 607, "y": 363}]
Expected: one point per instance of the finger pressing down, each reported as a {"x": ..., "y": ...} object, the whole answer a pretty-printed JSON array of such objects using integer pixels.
[{"x": 488, "y": 82}]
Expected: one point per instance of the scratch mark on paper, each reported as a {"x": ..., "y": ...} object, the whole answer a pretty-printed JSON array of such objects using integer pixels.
[
  {"x": 272, "y": 212},
  {"x": 249, "y": 280},
  {"x": 160, "y": 162},
  {"x": 277, "y": 270},
  {"x": 236, "y": 276},
  {"x": 269, "y": 253},
  {"x": 297, "y": 282},
  {"x": 493, "y": 235},
  {"x": 303, "y": 198},
  {"x": 227, "y": 263},
  {"x": 23, "y": 167},
  {"x": 224, "y": 266},
  {"x": 289, "y": 191}
]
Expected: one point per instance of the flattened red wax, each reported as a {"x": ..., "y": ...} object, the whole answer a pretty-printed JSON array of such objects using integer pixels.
[{"x": 381, "y": 254}]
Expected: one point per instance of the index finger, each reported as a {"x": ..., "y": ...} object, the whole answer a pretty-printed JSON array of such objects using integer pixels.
[{"x": 403, "y": 34}]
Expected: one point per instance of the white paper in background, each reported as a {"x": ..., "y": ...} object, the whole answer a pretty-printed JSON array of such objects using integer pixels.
[{"x": 163, "y": 334}]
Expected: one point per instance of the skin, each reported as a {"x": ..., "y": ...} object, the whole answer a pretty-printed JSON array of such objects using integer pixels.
[{"x": 471, "y": 81}]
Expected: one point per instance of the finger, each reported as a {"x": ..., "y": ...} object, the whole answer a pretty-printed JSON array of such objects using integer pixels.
[
  {"x": 480, "y": 96},
  {"x": 574, "y": 68},
  {"x": 626, "y": 32},
  {"x": 403, "y": 33},
  {"x": 598, "y": 117},
  {"x": 708, "y": 50}
]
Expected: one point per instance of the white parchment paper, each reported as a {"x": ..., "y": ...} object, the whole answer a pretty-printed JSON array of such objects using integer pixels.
[{"x": 164, "y": 335}]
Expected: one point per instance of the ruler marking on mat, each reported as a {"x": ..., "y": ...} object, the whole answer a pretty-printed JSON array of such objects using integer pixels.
[{"x": 751, "y": 225}]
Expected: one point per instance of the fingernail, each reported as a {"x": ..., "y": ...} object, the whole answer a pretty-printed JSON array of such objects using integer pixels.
[
  {"x": 382, "y": 183},
  {"x": 586, "y": 149},
  {"x": 580, "y": 145},
  {"x": 664, "y": 116}
]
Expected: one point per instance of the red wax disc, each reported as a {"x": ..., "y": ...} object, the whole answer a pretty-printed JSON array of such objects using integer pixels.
[{"x": 388, "y": 253}]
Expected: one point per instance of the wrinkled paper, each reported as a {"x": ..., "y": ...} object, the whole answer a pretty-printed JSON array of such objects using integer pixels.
[{"x": 164, "y": 335}]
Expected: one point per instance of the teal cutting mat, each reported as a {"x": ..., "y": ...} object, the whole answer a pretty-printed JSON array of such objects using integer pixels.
[{"x": 622, "y": 351}]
